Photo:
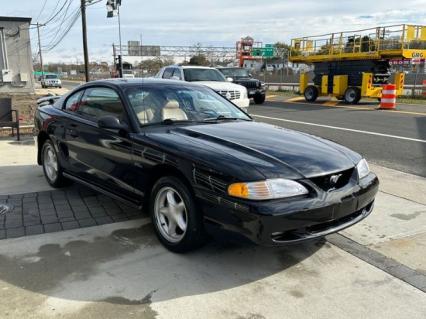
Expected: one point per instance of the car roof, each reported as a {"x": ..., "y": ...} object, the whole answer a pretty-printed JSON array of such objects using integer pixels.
[
  {"x": 189, "y": 67},
  {"x": 121, "y": 82}
]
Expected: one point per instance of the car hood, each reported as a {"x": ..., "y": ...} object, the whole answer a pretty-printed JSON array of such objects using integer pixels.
[
  {"x": 271, "y": 150},
  {"x": 221, "y": 86}
]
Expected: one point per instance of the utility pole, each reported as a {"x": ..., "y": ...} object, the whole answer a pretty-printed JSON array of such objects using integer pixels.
[
  {"x": 39, "y": 48},
  {"x": 84, "y": 27}
]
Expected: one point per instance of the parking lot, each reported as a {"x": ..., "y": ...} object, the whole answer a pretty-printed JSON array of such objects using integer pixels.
[{"x": 73, "y": 252}]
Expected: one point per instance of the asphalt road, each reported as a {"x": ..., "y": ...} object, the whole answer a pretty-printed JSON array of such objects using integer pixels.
[
  {"x": 70, "y": 84},
  {"x": 394, "y": 140}
]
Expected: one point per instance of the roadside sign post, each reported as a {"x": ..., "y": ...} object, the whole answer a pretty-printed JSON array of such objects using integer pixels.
[{"x": 113, "y": 8}]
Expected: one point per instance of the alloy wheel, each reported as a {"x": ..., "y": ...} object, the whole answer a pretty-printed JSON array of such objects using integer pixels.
[
  {"x": 170, "y": 214},
  {"x": 50, "y": 163}
]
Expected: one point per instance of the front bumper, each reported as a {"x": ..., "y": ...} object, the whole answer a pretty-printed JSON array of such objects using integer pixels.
[
  {"x": 281, "y": 222},
  {"x": 53, "y": 85},
  {"x": 242, "y": 103},
  {"x": 255, "y": 92}
]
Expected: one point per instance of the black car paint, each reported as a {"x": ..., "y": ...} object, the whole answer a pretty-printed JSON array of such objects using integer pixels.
[{"x": 208, "y": 157}]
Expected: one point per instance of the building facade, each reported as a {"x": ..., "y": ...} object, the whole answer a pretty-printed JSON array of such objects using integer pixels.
[{"x": 16, "y": 67}]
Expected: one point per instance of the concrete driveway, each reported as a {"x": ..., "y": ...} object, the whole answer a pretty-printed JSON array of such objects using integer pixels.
[{"x": 121, "y": 271}]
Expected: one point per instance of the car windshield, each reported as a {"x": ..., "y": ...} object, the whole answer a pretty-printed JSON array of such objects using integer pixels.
[
  {"x": 51, "y": 76},
  {"x": 235, "y": 72},
  {"x": 193, "y": 75},
  {"x": 167, "y": 104}
]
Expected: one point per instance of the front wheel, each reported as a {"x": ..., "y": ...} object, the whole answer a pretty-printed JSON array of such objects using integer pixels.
[
  {"x": 259, "y": 99},
  {"x": 177, "y": 221},
  {"x": 51, "y": 167}
]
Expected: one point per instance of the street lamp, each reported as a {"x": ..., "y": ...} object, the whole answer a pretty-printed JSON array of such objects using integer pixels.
[{"x": 113, "y": 9}]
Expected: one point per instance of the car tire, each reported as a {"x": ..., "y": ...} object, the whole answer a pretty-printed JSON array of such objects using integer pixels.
[
  {"x": 172, "y": 205},
  {"x": 311, "y": 93},
  {"x": 259, "y": 99},
  {"x": 352, "y": 95},
  {"x": 51, "y": 166}
]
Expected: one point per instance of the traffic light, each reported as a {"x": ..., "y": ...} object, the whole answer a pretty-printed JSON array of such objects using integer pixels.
[
  {"x": 118, "y": 65},
  {"x": 112, "y": 7}
]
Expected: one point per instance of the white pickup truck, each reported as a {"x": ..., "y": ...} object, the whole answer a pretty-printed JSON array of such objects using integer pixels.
[
  {"x": 50, "y": 80},
  {"x": 210, "y": 77}
]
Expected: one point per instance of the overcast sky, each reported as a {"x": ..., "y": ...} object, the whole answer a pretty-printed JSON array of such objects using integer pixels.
[{"x": 214, "y": 22}]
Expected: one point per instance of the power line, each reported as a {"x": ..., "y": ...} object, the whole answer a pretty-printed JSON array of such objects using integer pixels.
[
  {"x": 55, "y": 31},
  {"x": 59, "y": 11},
  {"x": 58, "y": 36},
  {"x": 65, "y": 32},
  {"x": 41, "y": 10}
]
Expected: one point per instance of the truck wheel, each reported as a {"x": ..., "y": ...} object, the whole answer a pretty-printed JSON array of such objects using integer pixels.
[
  {"x": 259, "y": 99},
  {"x": 311, "y": 93},
  {"x": 352, "y": 95}
]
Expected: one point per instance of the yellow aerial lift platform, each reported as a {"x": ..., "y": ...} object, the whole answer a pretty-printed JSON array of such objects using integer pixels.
[{"x": 354, "y": 64}]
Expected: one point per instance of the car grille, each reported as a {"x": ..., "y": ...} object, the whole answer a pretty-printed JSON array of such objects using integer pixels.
[
  {"x": 235, "y": 95},
  {"x": 325, "y": 182},
  {"x": 249, "y": 84}
]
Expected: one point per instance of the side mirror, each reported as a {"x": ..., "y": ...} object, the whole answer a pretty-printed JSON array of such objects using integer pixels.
[
  {"x": 230, "y": 79},
  {"x": 174, "y": 77},
  {"x": 111, "y": 123}
]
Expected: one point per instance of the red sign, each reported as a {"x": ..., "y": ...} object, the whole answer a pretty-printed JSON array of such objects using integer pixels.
[{"x": 417, "y": 61}]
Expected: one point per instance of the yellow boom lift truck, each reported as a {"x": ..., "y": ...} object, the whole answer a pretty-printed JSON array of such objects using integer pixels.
[{"x": 355, "y": 64}]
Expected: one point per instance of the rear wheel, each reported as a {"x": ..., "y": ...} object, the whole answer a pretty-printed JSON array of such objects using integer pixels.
[
  {"x": 259, "y": 99},
  {"x": 352, "y": 95},
  {"x": 51, "y": 167},
  {"x": 177, "y": 221},
  {"x": 311, "y": 93}
]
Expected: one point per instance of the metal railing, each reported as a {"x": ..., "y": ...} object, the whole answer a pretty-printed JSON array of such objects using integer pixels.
[{"x": 367, "y": 41}]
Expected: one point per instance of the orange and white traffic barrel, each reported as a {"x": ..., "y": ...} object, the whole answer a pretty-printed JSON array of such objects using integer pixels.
[
  {"x": 424, "y": 87},
  {"x": 388, "y": 100}
]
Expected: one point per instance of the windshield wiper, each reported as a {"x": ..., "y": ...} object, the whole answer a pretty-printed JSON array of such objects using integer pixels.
[
  {"x": 172, "y": 121},
  {"x": 224, "y": 118}
]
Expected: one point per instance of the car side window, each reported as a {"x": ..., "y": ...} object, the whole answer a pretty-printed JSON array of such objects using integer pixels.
[
  {"x": 168, "y": 73},
  {"x": 177, "y": 74},
  {"x": 73, "y": 102},
  {"x": 100, "y": 101}
]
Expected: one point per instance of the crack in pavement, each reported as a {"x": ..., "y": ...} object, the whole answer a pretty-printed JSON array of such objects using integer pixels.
[{"x": 392, "y": 267}]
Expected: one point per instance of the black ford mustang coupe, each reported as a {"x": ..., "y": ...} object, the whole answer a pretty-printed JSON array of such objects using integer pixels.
[{"x": 201, "y": 164}]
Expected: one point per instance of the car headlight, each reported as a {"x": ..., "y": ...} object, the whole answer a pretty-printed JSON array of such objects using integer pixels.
[
  {"x": 268, "y": 189},
  {"x": 362, "y": 168},
  {"x": 262, "y": 84},
  {"x": 244, "y": 94}
]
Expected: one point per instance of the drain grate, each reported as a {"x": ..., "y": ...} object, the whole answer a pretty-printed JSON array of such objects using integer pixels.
[{"x": 4, "y": 209}]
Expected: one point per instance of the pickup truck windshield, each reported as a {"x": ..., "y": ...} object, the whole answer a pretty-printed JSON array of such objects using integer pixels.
[{"x": 235, "y": 72}]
